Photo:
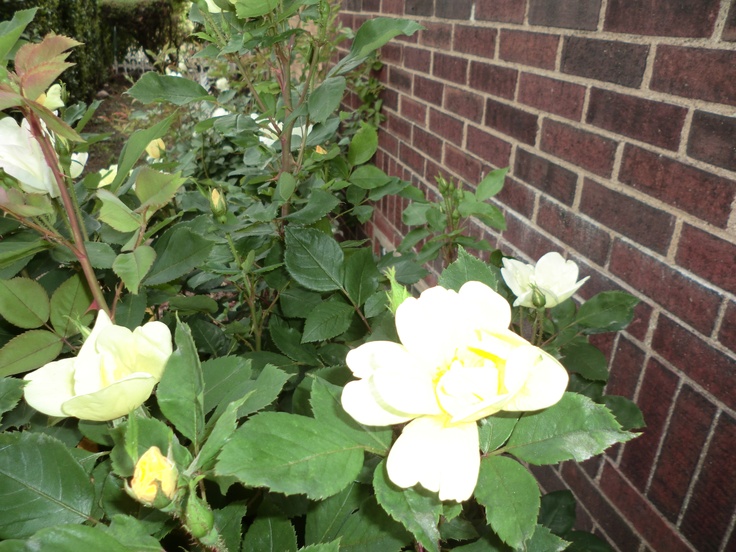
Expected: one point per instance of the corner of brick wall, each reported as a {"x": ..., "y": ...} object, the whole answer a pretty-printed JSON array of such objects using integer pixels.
[{"x": 618, "y": 121}]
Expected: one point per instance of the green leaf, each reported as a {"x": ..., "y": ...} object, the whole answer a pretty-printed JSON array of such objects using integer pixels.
[
  {"x": 510, "y": 496},
  {"x": 586, "y": 542},
  {"x": 468, "y": 268},
  {"x": 254, "y": 8},
  {"x": 491, "y": 184},
  {"x": 74, "y": 538},
  {"x": 609, "y": 311},
  {"x": 418, "y": 511},
  {"x": 415, "y": 213},
  {"x": 626, "y": 411},
  {"x": 313, "y": 259},
  {"x": 333, "y": 546},
  {"x": 290, "y": 454},
  {"x": 131, "y": 268},
  {"x": 494, "y": 431},
  {"x": 28, "y": 351},
  {"x": 327, "y": 408},
  {"x": 575, "y": 428},
  {"x": 180, "y": 392},
  {"x": 363, "y": 146},
  {"x": 14, "y": 251},
  {"x": 327, "y": 320},
  {"x": 285, "y": 186},
  {"x": 325, "y": 100},
  {"x": 70, "y": 305},
  {"x": 557, "y": 512},
  {"x": 229, "y": 523},
  {"x": 585, "y": 359},
  {"x": 369, "y": 177},
  {"x": 10, "y": 32},
  {"x": 320, "y": 203},
  {"x": 221, "y": 432},
  {"x": 223, "y": 380},
  {"x": 132, "y": 534},
  {"x": 41, "y": 485},
  {"x": 24, "y": 302},
  {"x": 373, "y": 34},
  {"x": 11, "y": 391},
  {"x": 178, "y": 251},
  {"x": 117, "y": 214},
  {"x": 545, "y": 541},
  {"x": 136, "y": 145},
  {"x": 361, "y": 276},
  {"x": 153, "y": 87},
  {"x": 270, "y": 533},
  {"x": 155, "y": 189}
]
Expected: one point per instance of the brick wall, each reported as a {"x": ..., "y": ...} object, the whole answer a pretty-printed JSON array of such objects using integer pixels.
[{"x": 618, "y": 120}]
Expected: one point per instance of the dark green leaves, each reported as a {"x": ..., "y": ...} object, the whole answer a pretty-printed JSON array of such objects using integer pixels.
[
  {"x": 313, "y": 259},
  {"x": 152, "y": 87}
]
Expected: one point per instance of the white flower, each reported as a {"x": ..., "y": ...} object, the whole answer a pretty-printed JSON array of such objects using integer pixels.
[
  {"x": 115, "y": 372},
  {"x": 79, "y": 160},
  {"x": 107, "y": 175},
  {"x": 222, "y": 84},
  {"x": 173, "y": 73},
  {"x": 268, "y": 137},
  {"x": 21, "y": 157},
  {"x": 220, "y": 112},
  {"x": 553, "y": 279},
  {"x": 457, "y": 363}
]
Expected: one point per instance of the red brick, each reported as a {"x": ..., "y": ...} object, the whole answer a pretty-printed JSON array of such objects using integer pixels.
[
  {"x": 680, "y": 295},
  {"x": 727, "y": 334},
  {"x": 462, "y": 164},
  {"x": 388, "y": 143},
  {"x": 585, "y": 149},
  {"x": 708, "y": 256},
  {"x": 695, "y": 191},
  {"x": 446, "y": 126},
  {"x": 353, "y": 5},
  {"x": 712, "y": 139},
  {"x": 471, "y": 39},
  {"x": 688, "y": 429},
  {"x": 466, "y": 104},
  {"x": 714, "y": 496},
  {"x": 490, "y": 148},
  {"x": 450, "y": 68},
  {"x": 371, "y": 5},
  {"x": 647, "y": 225},
  {"x": 551, "y": 95},
  {"x": 535, "y": 49},
  {"x": 413, "y": 111},
  {"x": 506, "y": 11},
  {"x": 568, "y": 14},
  {"x": 412, "y": 158},
  {"x": 573, "y": 230},
  {"x": 729, "y": 35},
  {"x": 453, "y": 9},
  {"x": 427, "y": 142},
  {"x": 626, "y": 367},
  {"x": 517, "y": 196},
  {"x": 705, "y": 365},
  {"x": 512, "y": 121},
  {"x": 390, "y": 99},
  {"x": 656, "y": 396},
  {"x": 680, "y": 71},
  {"x": 392, "y": 7},
  {"x": 614, "y": 526},
  {"x": 419, "y": 7},
  {"x": 658, "y": 533},
  {"x": 493, "y": 79},
  {"x": 617, "y": 62},
  {"x": 428, "y": 90},
  {"x": 687, "y": 18},
  {"x": 417, "y": 59},
  {"x": 657, "y": 123},
  {"x": 546, "y": 176},
  {"x": 398, "y": 126},
  {"x": 399, "y": 79},
  {"x": 526, "y": 238},
  {"x": 437, "y": 35},
  {"x": 391, "y": 53}
]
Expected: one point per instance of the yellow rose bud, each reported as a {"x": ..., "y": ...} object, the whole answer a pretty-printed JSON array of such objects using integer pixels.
[
  {"x": 218, "y": 205},
  {"x": 156, "y": 148},
  {"x": 154, "y": 472},
  {"x": 320, "y": 150}
]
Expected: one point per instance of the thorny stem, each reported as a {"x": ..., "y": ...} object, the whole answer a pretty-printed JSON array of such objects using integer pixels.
[{"x": 78, "y": 247}]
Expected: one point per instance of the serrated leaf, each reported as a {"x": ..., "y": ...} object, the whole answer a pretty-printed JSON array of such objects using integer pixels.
[
  {"x": 11, "y": 391},
  {"x": 180, "y": 392},
  {"x": 131, "y": 268},
  {"x": 491, "y": 184},
  {"x": 153, "y": 87},
  {"x": 494, "y": 431},
  {"x": 70, "y": 305},
  {"x": 221, "y": 432},
  {"x": 24, "y": 302},
  {"x": 320, "y": 204},
  {"x": 28, "y": 351},
  {"x": 609, "y": 311},
  {"x": 13, "y": 251},
  {"x": 270, "y": 533},
  {"x": 557, "y": 512},
  {"x": 254, "y": 8},
  {"x": 369, "y": 177},
  {"x": 363, "y": 145},
  {"x": 132, "y": 533},
  {"x": 575, "y": 428},
  {"x": 41, "y": 485},
  {"x": 155, "y": 189},
  {"x": 229, "y": 524},
  {"x": 545, "y": 541},
  {"x": 72, "y": 538},
  {"x": 361, "y": 276},
  {"x": 585, "y": 359},
  {"x": 626, "y": 412},
  {"x": 326, "y": 98},
  {"x": 117, "y": 214},
  {"x": 468, "y": 268},
  {"x": 327, "y": 320},
  {"x": 418, "y": 512},
  {"x": 10, "y": 31},
  {"x": 313, "y": 259},
  {"x": 178, "y": 251},
  {"x": 586, "y": 542},
  {"x": 510, "y": 495},
  {"x": 290, "y": 454}
]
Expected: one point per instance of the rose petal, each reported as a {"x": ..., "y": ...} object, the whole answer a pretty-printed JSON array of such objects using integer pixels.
[
  {"x": 546, "y": 380},
  {"x": 369, "y": 357},
  {"x": 359, "y": 401},
  {"x": 482, "y": 308},
  {"x": 50, "y": 386},
  {"x": 113, "y": 401}
]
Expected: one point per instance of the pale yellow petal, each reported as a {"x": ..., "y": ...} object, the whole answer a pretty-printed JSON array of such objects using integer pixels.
[
  {"x": 461, "y": 459},
  {"x": 113, "y": 401},
  {"x": 369, "y": 357},
  {"x": 154, "y": 347},
  {"x": 360, "y": 402},
  {"x": 407, "y": 388},
  {"x": 545, "y": 383},
  {"x": 50, "y": 386},
  {"x": 482, "y": 308},
  {"x": 517, "y": 275}
]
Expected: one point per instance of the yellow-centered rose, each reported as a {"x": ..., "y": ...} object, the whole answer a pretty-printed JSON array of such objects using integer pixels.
[
  {"x": 115, "y": 372},
  {"x": 457, "y": 362},
  {"x": 154, "y": 472}
]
